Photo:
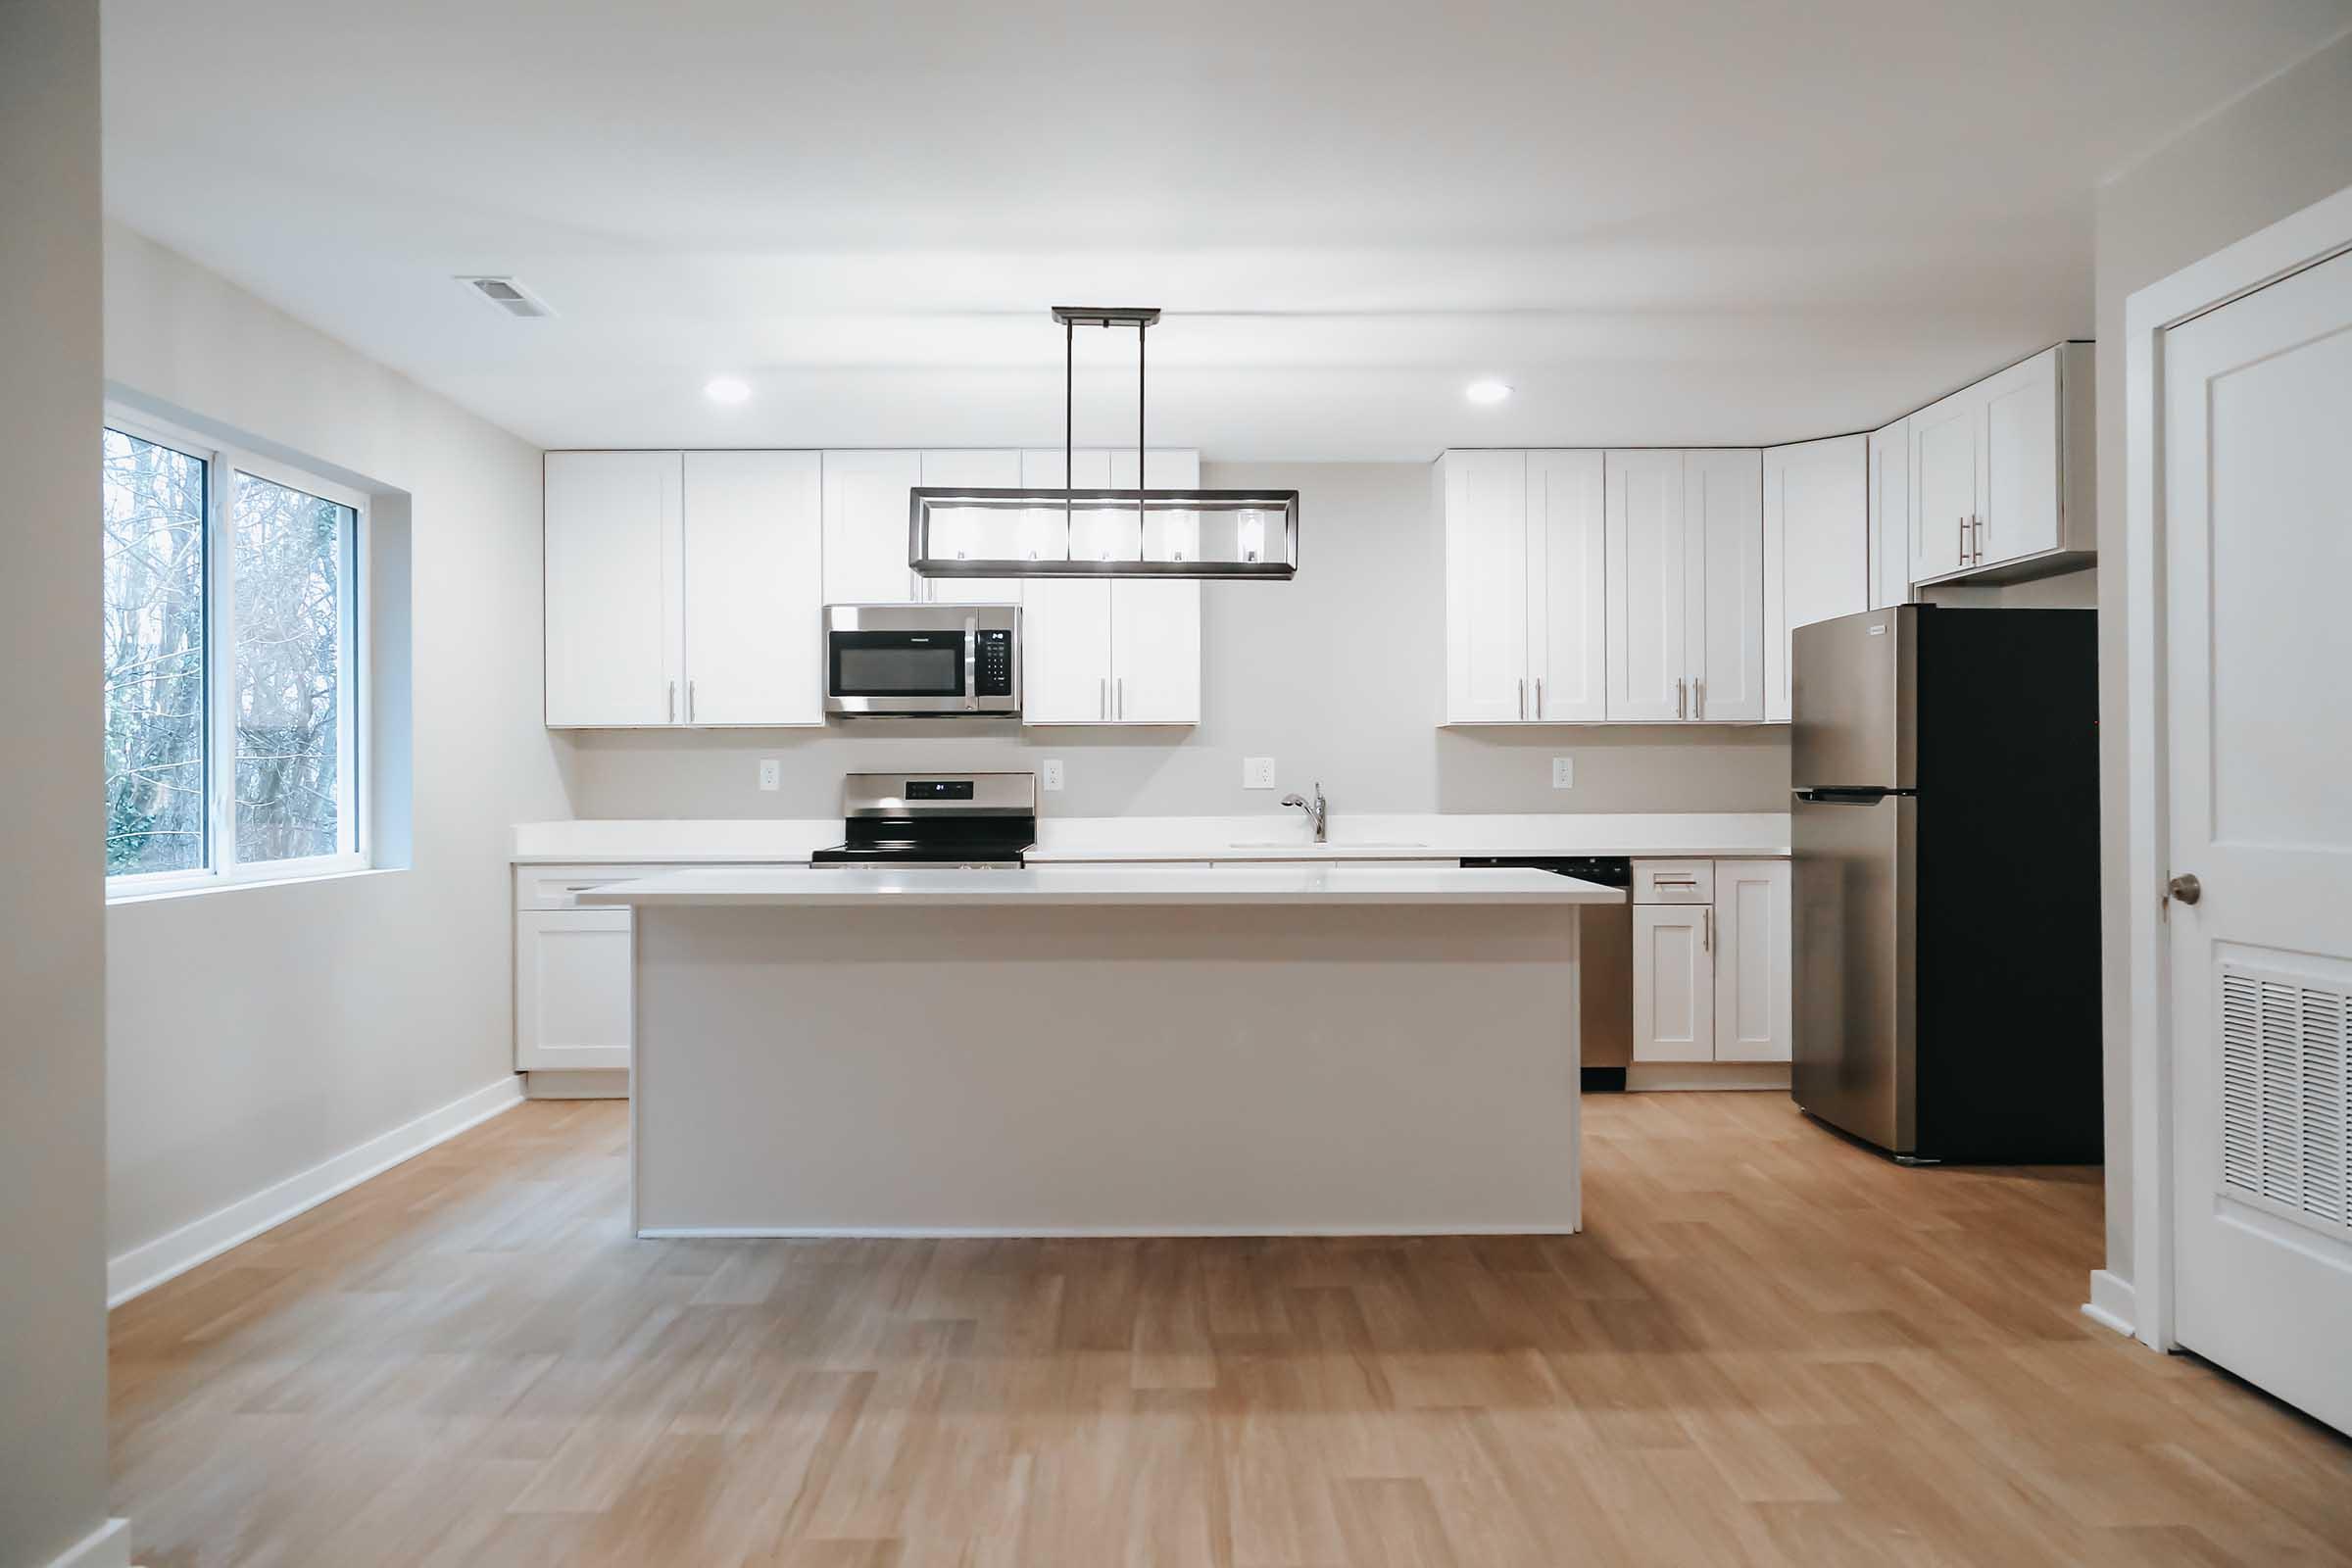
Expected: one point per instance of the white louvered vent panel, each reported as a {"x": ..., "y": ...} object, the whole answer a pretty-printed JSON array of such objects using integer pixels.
[{"x": 2286, "y": 1094}]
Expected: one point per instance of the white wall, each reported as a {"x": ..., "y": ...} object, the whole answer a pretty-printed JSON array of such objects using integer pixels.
[
  {"x": 254, "y": 1033},
  {"x": 1339, "y": 676},
  {"x": 53, "y": 1475},
  {"x": 2270, "y": 153}
]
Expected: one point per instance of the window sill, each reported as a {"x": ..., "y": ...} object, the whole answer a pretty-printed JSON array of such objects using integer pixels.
[{"x": 205, "y": 890}]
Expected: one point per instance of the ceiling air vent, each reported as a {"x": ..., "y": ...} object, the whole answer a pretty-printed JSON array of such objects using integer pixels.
[{"x": 508, "y": 295}]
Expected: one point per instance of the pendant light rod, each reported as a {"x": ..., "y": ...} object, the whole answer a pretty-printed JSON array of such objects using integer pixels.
[{"x": 1072, "y": 316}]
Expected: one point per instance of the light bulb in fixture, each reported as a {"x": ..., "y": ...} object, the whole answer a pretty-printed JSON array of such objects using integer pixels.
[
  {"x": 1486, "y": 391},
  {"x": 726, "y": 389}
]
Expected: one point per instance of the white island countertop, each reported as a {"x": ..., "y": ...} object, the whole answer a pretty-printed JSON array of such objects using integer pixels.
[{"x": 1140, "y": 885}]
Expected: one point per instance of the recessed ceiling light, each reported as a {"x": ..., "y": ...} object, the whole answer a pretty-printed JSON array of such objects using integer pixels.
[
  {"x": 1486, "y": 391},
  {"x": 726, "y": 389}
]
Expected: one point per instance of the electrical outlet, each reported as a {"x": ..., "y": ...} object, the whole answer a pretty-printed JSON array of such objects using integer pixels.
[
  {"x": 1563, "y": 772},
  {"x": 1257, "y": 772},
  {"x": 1050, "y": 772},
  {"x": 771, "y": 773}
]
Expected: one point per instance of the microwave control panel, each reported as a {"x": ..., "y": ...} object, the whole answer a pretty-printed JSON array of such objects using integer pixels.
[{"x": 995, "y": 658}]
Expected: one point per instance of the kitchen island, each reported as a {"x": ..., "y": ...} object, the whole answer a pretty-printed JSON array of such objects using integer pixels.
[{"x": 1105, "y": 1051}]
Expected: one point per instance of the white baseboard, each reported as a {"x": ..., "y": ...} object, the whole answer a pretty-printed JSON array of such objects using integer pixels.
[
  {"x": 1647, "y": 1075},
  {"x": 107, "y": 1547},
  {"x": 144, "y": 1267},
  {"x": 578, "y": 1083},
  {"x": 1092, "y": 1233},
  {"x": 2112, "y": 1304}
]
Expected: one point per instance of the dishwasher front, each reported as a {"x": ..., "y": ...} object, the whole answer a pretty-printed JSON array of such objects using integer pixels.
[{"x": 1607, "y": 960}]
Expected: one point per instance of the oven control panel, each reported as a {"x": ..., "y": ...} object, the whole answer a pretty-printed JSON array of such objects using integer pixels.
[{"x": 995, "y": 658}]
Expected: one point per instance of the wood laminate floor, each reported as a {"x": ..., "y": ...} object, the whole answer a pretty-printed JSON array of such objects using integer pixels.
[{"x": 1770, "y": 1346}]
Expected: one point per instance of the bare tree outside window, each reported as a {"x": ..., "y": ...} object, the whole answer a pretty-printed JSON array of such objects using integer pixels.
[
  {"x": 290, "y": 617},
  {"x": 153, "y": 565}
]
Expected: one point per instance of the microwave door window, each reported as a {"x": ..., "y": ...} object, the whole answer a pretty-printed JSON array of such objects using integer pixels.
[{"x": 898, "y": 667}]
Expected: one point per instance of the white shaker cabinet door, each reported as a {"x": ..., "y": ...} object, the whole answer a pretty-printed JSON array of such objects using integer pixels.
[
  {"x": 1568, "y": 590},
  {"x": 1154, "y": 652},
  {"x": 613, "y": 593},
  {"x": 573, "y": 997},
  {"x": 1754, "y": 961},
  {"x": 1943, "y": 484},
  {"x": 1649, "y": 605},
  {"x": 1484, "y": 499},
  {"x": 1816, "y": 547},
  {"x": 1891, "y": 514},
  {"x": 1674, "y": 983},
  {"x": 2018, "y": 460},
  {"x": 1723, "y": 503},
  {"x": 755, "y": 588},
  {"x": 866, "y": 527},
  {"x": 996, "y": 535},
  {"x": 1066, "y": 651}
]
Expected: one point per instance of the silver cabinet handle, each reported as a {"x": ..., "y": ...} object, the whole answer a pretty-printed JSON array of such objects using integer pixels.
[
  {"x": 1539, "y": 697},
  {"x": 1698, "y": 698},
  {"x": 673, "y": 703},
  {"x": 1102, "y": 699},
  {"x": 1118, "y": 706},
  {"x": 1962, "y": 558},
  {"x": 690, "y": 699},
  {"x": 1523, "y": 697},
  {"x": 1706, "y": 930},
  {"x": 1680, "y": 697},
  {"x": 1977, "y": 540}
]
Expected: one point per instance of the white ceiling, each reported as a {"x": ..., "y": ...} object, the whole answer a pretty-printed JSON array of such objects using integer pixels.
[{"x": 1662, "y": 220}]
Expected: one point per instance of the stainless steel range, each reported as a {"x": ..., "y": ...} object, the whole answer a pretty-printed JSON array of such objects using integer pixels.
[{"x": 935, "y": 820}]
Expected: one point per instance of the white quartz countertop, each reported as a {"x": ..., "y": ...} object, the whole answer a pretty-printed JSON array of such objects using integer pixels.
[
  {"x": 1104, "y": 885},
  {"x": 1261, "y": 837}
]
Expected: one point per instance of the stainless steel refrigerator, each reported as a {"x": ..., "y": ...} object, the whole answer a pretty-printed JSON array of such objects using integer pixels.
[{"x": 1946, "y": 832}]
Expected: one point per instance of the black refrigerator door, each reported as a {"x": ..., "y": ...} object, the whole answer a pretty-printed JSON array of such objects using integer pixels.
[{"x": 1855, "y": 873}]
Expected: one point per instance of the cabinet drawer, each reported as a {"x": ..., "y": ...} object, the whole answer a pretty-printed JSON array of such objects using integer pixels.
[
  {"x": 1674, "y": 881},
  {"x": 558, "y": 887}
]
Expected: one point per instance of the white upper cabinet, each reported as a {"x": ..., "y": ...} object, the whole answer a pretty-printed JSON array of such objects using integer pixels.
[
  {"x": 1567, "y": 609},
  {"x": 613, "y": 650},
  {"x": 754, "y": 588},
  {"x": 1816, "y": 547},
  {"x": 1723, "y": 500},
  {"x": 1648, "y": 604},
  {"x": 1483, "y": 499},
  {"x": 2002, "y": 473},
  {"x": 1110, "y": 650},
  {"x": 866, "y": 527},
  {"x": 995, "y": 535},
  {"x": 1891, "y": 514}
]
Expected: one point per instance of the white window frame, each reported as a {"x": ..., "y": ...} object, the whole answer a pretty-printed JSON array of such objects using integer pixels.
[{"x": 221, "y": 868}]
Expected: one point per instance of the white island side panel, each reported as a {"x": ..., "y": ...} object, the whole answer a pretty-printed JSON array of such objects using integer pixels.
[{"x": 1044, "y": 1068}]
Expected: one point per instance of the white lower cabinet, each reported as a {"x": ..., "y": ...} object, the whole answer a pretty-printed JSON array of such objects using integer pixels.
[
  {"x": 573, "y": 1005},
  {"x": 1712, "y": 964}
]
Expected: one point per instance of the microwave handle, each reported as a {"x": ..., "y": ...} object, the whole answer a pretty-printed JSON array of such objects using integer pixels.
[{"x": 971, "y": 662}]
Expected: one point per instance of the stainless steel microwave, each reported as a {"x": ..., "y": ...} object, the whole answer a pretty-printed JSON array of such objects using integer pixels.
[{"x": 913, "y": 661}]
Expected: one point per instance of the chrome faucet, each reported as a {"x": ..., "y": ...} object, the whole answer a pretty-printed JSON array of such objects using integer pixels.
[{"x": 1318, "y": 809}]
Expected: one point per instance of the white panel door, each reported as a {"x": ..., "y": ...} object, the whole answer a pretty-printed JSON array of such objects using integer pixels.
[
  {"x": 1648, "y": 611},
  {"x": 1155, "y": 627},
  {"x": 1568, "y": 589},
  {"x": 755, "y": 588},
  {"x": 1891, "y": 514},
  {"x": 2018, "y": 460},
  {"x": 1816, "y": 547},
  {"x": 573, "y": 997},
  {"x": 1485, "y": 501},
  {"x": 1944, "y": 483},
  {"x": 1723, "y": 501},
  {"x": 866, "y": 527},
  {"x": 2257, "y": 483},
  {"x": 1674, "y": 983},
  {"x": 613, "y": 592},
  {"x": 1066, "y": 623},
  {"x": 1754, "y": 961},
  {"x": 995, "y": 534}
]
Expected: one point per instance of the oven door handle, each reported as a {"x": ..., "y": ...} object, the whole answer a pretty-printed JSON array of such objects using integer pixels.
[{"x": 971, "y": 663}]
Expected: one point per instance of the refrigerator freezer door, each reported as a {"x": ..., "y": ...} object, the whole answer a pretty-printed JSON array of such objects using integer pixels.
[
  {"x": 1853, "y": 701},
  {"x": 1856, "y": 876}
]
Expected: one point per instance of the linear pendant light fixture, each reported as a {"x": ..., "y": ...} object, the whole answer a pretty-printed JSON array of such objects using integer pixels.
[{"x": 981, "y": 532}]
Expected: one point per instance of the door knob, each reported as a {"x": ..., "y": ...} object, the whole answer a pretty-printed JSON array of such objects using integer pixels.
[{"x": 2184, "y": 887}]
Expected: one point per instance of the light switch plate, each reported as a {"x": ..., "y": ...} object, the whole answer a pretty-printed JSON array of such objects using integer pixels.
[
  {"x": 1257, "y": 772},
  {"x": 1049, "y": 772},
  {"x": 771, "y": 773},
  {"x": 1563, "y": 772}
]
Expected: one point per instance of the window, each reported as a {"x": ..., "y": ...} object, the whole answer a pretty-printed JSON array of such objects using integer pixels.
[{"x": 232, "y": 634}]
